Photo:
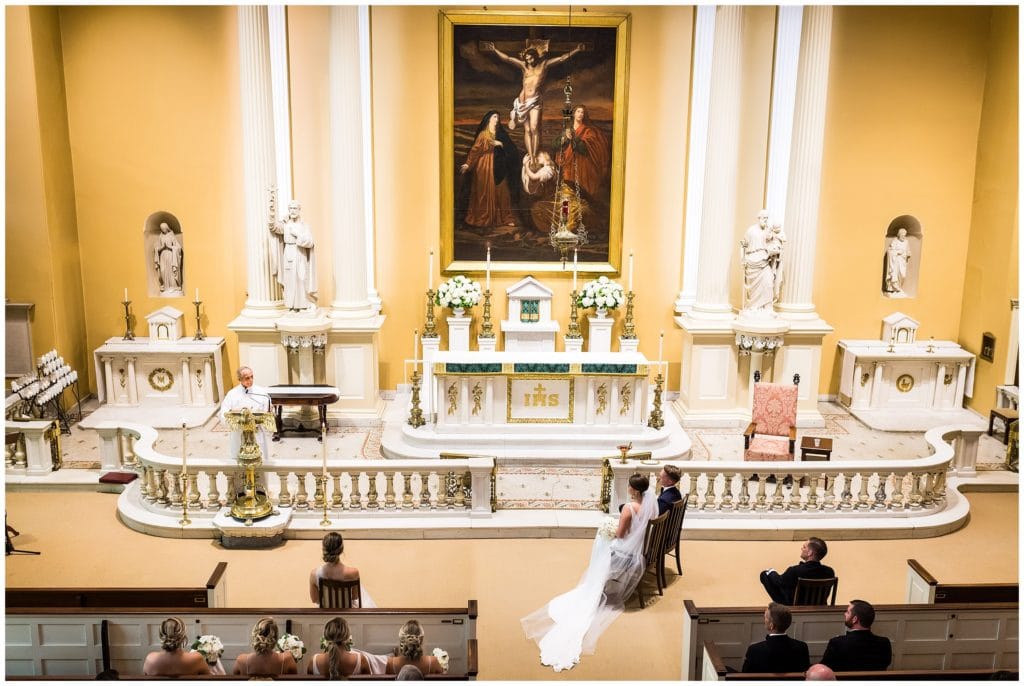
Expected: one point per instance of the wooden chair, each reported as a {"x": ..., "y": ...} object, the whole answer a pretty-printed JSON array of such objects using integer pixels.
[
  {"x": 339, "y": 595},
  {"x": 654, "y": 543},
  {"x": 815, "y": 591},
  {"x": 673, "y": 532},
  {"x": 771, "y": 435}
]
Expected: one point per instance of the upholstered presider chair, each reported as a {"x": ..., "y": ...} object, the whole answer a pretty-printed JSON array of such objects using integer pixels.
[
  {"x": 771, "y": 436},
  {"x": 339, "y": 595}
]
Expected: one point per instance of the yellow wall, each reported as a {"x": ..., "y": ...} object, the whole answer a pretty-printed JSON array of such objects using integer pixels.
[
  {"x": 992, "y": 269},
  {"x": 905, "y": 95}
]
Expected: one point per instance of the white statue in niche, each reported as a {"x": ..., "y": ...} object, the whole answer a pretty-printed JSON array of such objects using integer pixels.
[
  {"x": 897, "y": 258},
  {"x": 776, "y": 243},
  {"x": 293, "y": 259},
  {"x": 760, "y": 246},
  {"x": 168, "y": 261}
]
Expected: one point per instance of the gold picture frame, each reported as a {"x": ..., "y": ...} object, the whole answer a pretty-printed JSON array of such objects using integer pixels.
[{"x": 475, "y": 81}]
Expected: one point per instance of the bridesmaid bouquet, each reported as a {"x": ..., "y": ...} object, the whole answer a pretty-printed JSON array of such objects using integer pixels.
[
  {"x": 292, "y": 644},
  {"x": 609, "y": 527},
  {"x": 211, "y": 648},
  {"x": 442, "y": 659}
]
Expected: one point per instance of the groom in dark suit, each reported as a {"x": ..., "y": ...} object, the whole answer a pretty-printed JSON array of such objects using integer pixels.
[
  {"x": 778, "y": 652},
  {"x": 859, "y": 649},
  {"x": 669, "y": 480},
  {"x": 781, "y": 587}
]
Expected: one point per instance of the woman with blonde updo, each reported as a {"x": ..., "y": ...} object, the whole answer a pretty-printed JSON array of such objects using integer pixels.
[
  {"x": 334, "y": 569},
  {"x": 410, "y": 651},
  {"x": 264, "y": 661},
  {"x": 173, "y": 660},
  {"x": 338, "y": 659}
]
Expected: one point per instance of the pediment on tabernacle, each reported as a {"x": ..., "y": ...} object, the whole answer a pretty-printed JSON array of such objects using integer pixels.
[{"x": 529, "y": 288}]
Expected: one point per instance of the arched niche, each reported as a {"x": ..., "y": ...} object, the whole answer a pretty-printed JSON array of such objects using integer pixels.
[
  {"x": 164, "y": 256},
  {"x": 902, "y": 258}
]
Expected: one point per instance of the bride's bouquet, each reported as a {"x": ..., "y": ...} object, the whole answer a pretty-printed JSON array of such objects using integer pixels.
[
  {"x": 292, "y": 644},
  {"x": 609, "y": 527}
]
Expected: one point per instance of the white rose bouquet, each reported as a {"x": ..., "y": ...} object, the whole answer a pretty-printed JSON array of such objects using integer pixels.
[
  {"x": 442, "y": 659},
  {"x": 292, "y": 644},
  {"x": 608, "y": 528},
  {"x": 602, "y": 292},
  {"x": 458, "y": 291},
  {"x": 209, "y": 646}
]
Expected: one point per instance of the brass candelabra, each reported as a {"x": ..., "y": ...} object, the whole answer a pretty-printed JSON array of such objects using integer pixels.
[
  {"x": 416, "y": 414},
  {"x": 184, "y": 521},
  {"x": 574, "y": 319},
  {"x": 199, "y": 326},
  {"x": 321, "y": 486},
  {"x": 128, "y": 335},
  {"x": 628, "y": 327},
  {"x": 430, "y": 330},
  {"x": 657, "y": 421},
  {"x": 486, "y": 328}
]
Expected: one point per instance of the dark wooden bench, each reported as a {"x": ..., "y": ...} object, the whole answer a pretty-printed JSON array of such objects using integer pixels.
[
  {"x": 923, "y": 587},
  {"x": 210, "y": 595}
]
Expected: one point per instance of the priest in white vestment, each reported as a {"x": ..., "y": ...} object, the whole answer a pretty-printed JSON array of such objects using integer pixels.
[{"x": 246, "y": 395}]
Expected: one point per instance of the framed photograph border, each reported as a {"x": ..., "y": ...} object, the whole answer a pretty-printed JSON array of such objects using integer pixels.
[{"x": 447, "y": 21}]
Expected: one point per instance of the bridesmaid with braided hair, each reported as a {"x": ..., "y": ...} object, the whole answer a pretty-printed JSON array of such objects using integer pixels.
[
  {"x": 264, "y": 661},
  {"x": 338, "y": 659},
  {"x": 173, "y": 660},
  {"x": 410, "y": 651}
]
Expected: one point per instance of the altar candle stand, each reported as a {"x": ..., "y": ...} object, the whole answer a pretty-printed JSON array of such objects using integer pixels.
[
  {"x": 323, "y": 478},
  {"x": 199, "y": 326},
  {"x": 184, "y": 521},
  {"x": 128, "y": 335}
]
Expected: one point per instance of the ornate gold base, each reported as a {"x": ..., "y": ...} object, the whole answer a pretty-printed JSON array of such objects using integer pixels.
[{"x": 249, "y": 508}]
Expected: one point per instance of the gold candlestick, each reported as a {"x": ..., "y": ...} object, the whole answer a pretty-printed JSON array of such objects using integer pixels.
[
  {"x": 199, "y": 326},
  {"x": 128, "y": 335},
  {"x": 184, "y": 521},
  {"x": 574, "y": 321},
  {"x": 416, "y": 415},
  {"x": 656, "y": 421},
  {"x": 322, "y": 487},
  {"x": 628, "y": 329},
  {"x": 487, "y": 329},
  {"x": 430, "y": 331}
]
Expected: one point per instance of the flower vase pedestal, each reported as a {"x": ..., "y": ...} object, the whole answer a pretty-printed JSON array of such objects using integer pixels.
[
  {"x": 458, "y": 331},
  {"x": 600, "y": 333},
  {"x": 573, "y": 345},
  {"x": 628, "y": 345},
  {"x": 486, "y": 344}
]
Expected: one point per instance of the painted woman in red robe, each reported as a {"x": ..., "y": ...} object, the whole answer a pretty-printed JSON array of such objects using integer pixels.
[
  {"x": 585, "y": 154},
  {"x": 492, "y": 168}
]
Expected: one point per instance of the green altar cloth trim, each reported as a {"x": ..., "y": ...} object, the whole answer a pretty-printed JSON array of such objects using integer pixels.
[
  {"x": 609, "y": 369},
  {"x": 540, "y": 368},
  {"x": 472, "y": 368}
]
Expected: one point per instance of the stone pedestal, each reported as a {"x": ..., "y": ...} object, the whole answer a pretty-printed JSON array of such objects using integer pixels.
[
  {"x": 458, "y": 333},
  {"x": 431, "y": 346},
  {"x": 573, "y": 345},
  {"x": 628, "y": 345},
  {"x": 486, "y": 344},
  {"x": 38, "y": 461},
  {"x": 600, "y": 334}
]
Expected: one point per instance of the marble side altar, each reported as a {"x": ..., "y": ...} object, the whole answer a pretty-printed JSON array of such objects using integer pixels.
[{"x": 550, "y": 406}]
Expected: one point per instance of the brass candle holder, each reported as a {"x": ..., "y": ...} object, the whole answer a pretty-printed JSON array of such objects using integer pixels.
[
  {"x": 184, "y": 521},
  {"x": 430, "y": 330},
  {"x": 574, "y": 320},
  {"x": 486, "y": 328},
  {"x": 128, "y": 335},
  {"x": 657, "y": 421},
  {"x": 321, "y": 485},
  {"x": 199, "y": 326},
  {"x": 416, "y": 414},
  {"x": 628, "y": 327}
]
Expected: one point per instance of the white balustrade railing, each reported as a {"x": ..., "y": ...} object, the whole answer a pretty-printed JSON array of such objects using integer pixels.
[{"x": 462, "y": 486}]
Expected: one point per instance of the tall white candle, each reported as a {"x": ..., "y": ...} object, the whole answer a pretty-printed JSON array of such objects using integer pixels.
[
  {"x": 661, "y": 345},
  {"x": 415, "y": 343},
  {"x": 630, "y": 270},
  {"x": 323, "y": 442},
  {"x": 126, "y": 295},
  {"x": 184, "y": 460},
  {"x": 488, "y": 268},
  {"x": 430, "y": 270},
  {"x": 197, "y": 295},
  {"x": 574, "y": 257}
]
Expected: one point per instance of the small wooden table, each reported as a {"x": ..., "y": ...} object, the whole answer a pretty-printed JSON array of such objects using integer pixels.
[
  {"x": 312, "y": 394},
  {"x": 811, "y": 452},
  {"x": 1008, "y": 415}
]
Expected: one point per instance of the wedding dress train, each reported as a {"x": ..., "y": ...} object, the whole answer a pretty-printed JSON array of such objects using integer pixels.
[{"x": 570, "y": 624}]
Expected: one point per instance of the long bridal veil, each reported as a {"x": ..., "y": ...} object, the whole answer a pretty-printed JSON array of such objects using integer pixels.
[{"x": 570, "y": 624}]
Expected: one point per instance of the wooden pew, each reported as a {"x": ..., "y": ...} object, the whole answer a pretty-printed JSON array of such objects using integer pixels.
[
  {"x": 939, "y": 637},
  {"x": 715, "y": 670},
  {"x": 213, "y": 594},
  {"x": 924, "y": 588},
  {"x": 56, "y": 642}
]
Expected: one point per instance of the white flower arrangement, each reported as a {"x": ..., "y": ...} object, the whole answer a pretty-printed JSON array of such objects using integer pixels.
[
  {"x": 608, "y": 528},
  {"x": 442, "y": 659},
  {"x": 602, "y": 292},
  {"x": 458, "y": 291},
  {"x": 292, "y": 644},
  {"x": 324, "y": 643},
  {"x": 209, "y": 646}
]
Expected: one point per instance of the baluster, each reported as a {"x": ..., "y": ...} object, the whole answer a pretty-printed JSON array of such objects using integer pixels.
[
  {"x": 355, "y": 502},
  {"x": 915, "y": 491},
  {"x": 193, "y": 492},
  {"x": 20, "y": 456},
  {"x": 9, "y": 454},
  {"x": 846, "y": 502},
  {"x": 691, "y": 497},
  {"x": 336, "y": 495},
  {"x": 795, "y": 500},
  {"x": 371, "y": 497},
  {"x": 928, "y": 495},
  {"x": 133, "y": 458},
  {"x": 777, "y": 501},
  {"x": 424, "y": 490},
  {"x": 161, "y": 482},
  {"x": 862, "y": 497},
  {"x": 744, "y": 502},
  {"x": 301, "y": 497},
  {"x": 897, "y": 492},
  {"x": 460, "y": 497},
  {"x": 214, "y": 496},
  {"x": 175, "y": 493},
  {"x": 319, "y": 491},
  {"x": 813, "y": 483},
  {"x": 284, "y": 498},
  {"x": 940, "y": 487},
  {"x": 760, "y": 502},
  {"x": 726, "y": 503},
  {"x": 148, "y": 484},
  {"x": 708, "y": 502},
  {"x": 389, "y": 493},
  {"x": 879, "y": 503},
  {"x": 406, "y": 490}
]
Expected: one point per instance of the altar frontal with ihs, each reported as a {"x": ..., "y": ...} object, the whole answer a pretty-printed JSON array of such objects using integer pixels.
[{"x": 537, "y": 399}]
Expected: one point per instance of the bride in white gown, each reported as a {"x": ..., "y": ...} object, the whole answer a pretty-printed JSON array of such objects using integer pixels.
[{"x": 571, "y": 623}]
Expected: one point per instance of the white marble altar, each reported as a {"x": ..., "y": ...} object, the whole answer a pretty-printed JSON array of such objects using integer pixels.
[
  {"x": 529, "y": 327},
  {"x": 906, "y": 386}
]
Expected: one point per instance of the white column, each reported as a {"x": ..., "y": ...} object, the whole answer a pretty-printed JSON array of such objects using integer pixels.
[
  {"x": 351, "y": 167},
  {"x": 787, "y": 61},
  {"x": 133, "y": 383},
  {"x": 718, "y": 219},
  {"x": 108, "y": 380},
  {"x": 940, "y": 374},
  {"x": 876, "y": 385},
  {"x": 207, "y": 381},
  {"x": 186, "y": 383},
  {"x": 110, "y": 446},
  {"x": 258, "y": 157},
  {"x": 277, "y": 24},
  {"x": 700, "y": 100},
  {"x": 804, "y": 189},
  {"x": 430, "y": 347}
]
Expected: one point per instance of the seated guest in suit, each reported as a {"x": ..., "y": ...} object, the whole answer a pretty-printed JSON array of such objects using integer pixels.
[
  {"x": 819, "y": 672},
  {"x": 782, "y": 586},
  {"x": 338, "y": 659},
  {"x": 264, "y": 661},
  {"x": 173, "y": 660},
  {"x": 778, "y": 652},
  {"x": 409, "y": 673},
  {"x": 859, "y": 649},
  {"x": 410, "y": 651},
  {"x": 669, "y": 480}
]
